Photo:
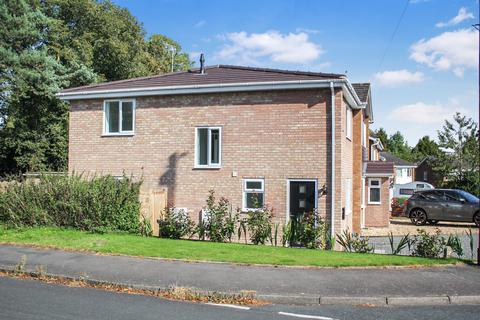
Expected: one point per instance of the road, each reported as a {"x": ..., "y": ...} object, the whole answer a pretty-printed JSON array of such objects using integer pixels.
[{"x": 30, "y": 299}]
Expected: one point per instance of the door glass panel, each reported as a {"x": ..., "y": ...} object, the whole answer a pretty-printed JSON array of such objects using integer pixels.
[
  {"x": 301, "y": 203},
  {"x": 433, "y": 196},
  {"x": 302, "y": 188},
  {"x": 202, "y": 146},
  {"x": 451, "y": 196}
]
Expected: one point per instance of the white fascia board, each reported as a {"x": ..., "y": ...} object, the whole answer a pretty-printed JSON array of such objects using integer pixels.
[
  {"x": 405, "y": 167},
  {"x": 377, "y": 175},
  {"x": 235, "y": 87}
]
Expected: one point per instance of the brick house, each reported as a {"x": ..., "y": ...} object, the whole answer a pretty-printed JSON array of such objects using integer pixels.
[{"x": 237, "y": 130}]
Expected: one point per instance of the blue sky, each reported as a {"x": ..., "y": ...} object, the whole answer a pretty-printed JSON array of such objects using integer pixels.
[{"x": 429, "y": 71}]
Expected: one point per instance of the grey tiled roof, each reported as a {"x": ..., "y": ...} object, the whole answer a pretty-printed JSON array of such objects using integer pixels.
[
  {"x": 380, "y": 168},
  {"x": 396, "y": 160},
  {"x": 219, "y": 74},
  {"x": 362, "y": 90}
]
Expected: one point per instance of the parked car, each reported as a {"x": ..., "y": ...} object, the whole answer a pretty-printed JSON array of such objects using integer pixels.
[
  {"x": 432, "y": 206},
  {"x": 408, "y": 189}
]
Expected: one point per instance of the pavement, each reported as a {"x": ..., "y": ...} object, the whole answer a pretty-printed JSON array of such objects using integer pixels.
[
  {"x": 379, "y": 286},
  {"x": 29, "y": 299}
]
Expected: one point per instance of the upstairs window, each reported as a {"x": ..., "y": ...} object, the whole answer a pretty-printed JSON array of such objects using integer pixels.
[
  {"x": 253, "y": 194},
  {"x": 208, "y": 147},
  {"x": 119, "y": 117},
  {"x": 349, "y": 123}
]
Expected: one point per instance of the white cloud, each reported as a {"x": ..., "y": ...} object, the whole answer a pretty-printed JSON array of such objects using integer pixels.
[
  {"x": 289, "y": 48},
  {"x": 307, "y": 30},
  {"x": 194, "y": 56},
  {"x": 453, "y": 50},
  {"x": 462, "y": 15},
  {"x": 199, "y": 24},
  {"x": 398, "y": 77},
  {"x": 425, "y": 114}
]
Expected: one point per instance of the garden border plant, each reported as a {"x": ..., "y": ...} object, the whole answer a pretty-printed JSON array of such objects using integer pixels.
[{"x": 90, "y": 203}]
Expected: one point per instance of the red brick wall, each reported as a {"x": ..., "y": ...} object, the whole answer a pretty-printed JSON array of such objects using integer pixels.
[
  {"x": 377, "y": 215},
  {"x": 275, "y": 135}
]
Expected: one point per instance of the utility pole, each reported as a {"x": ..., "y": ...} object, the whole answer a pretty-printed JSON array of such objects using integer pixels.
[
  {"x": 477, "y": 26},
  {"x": 172, "y": 50}
]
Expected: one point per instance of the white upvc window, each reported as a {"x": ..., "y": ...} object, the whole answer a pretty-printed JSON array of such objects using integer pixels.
[
  {"x": 349, "y": 123},
  {"x": 253, "y": 194},
  {"x": 119, "y": 117},
  {"x": 208, "y": 147},
  {"x": 374, "y": 191}
]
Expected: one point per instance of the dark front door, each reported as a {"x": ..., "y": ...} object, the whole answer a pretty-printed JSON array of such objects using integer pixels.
[{"x": 302, "y": 197}]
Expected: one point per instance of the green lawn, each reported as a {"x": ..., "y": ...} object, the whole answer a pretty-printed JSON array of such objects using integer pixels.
[{"x": 126, "y": 244}]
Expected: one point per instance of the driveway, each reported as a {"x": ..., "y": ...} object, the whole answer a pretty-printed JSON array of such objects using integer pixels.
[{"x": 400, "y": 226}]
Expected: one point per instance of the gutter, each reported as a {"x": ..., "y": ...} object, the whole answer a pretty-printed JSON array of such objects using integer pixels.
[
  {"x": 332, "y": 188},
  {"x": 351, "y": 95}
]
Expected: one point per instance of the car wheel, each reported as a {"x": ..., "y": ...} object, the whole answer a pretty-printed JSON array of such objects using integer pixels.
[
  {"x": 476, "y": 219},
  {"x": 418, "y": 217},
  {"x": 433, "y": 222}
]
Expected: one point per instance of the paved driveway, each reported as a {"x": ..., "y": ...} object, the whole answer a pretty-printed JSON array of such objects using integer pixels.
[{"x": 400, "y": 226}]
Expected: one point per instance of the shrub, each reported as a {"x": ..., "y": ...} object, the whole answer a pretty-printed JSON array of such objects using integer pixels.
[
  {"x": 175, "y": 224},
  {"x": 455, "y": 244},
  {"x": 352, "y": 242},
  {"x": 308, "y": 230},
  {"x": 428, "y": 245},
  {"x": 221, "y": 222},
  {"x": 402, "y": 244},
  {"x": 259, "y": 223},
  {"x": 99, "y": 203}
]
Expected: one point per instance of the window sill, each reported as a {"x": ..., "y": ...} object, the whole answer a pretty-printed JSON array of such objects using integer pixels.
[
  {"x": 207, "y": 167},
  {"x": 374, "y": 202},
  {"x": 126, "y": 134}
]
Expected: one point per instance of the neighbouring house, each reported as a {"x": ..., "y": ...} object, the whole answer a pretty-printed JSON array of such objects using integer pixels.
[
  {"x": 244, "y": 132},
  {"x": 404, "y": 170},
  {"x": 378, "y": 176},
  {"x": 424, "y": 171}
]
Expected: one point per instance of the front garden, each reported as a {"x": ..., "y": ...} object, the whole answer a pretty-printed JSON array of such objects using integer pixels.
[{"x": 102, "y": 214}]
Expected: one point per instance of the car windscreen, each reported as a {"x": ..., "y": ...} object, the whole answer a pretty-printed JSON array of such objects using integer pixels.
[{"x": 468, "y": 196}]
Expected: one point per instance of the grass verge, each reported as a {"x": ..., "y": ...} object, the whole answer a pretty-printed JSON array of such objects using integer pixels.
[{"x": 127, "y": 244}]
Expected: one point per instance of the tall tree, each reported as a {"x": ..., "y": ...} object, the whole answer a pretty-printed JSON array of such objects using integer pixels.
[
  {"x": 398, "y": 146},
  {"x": 383, "y": 136},
  {"x": 460, "y": 163},
  {"x": 33, "y": 127},
  {"x": 425, "y": 147},
  {"x": 46, "y": 46},
  {"x": 165, "y": 51}
]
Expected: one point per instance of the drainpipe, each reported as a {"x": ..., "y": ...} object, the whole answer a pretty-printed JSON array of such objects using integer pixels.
[{"x": 332, "y": 188}]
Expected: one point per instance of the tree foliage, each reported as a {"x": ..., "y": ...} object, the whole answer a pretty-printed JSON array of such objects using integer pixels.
[
  {"x": 46, "y": 46},
  {"x": 425, "y": 147},
  {"x": 459, "y": 161}
]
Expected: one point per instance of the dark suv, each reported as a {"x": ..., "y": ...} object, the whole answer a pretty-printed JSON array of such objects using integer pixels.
[{"x": 432, "y": 206}]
